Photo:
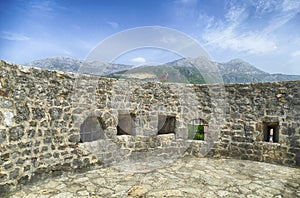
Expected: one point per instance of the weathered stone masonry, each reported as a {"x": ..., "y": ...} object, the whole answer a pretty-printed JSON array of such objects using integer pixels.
[{"x": 42, "y": 113}]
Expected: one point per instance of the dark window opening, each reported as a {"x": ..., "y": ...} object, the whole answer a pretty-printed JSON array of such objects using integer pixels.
[
  {"x": 91, "y": 130},
  {"x": 166, "y": 124},
  {"x": 271, "y": 132},
  {"x": 197, "y": 129},
  {"x": 125, "y": 125}
]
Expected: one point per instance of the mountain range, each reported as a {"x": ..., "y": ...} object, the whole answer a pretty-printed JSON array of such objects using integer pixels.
[{"x": 188, "y": 70}]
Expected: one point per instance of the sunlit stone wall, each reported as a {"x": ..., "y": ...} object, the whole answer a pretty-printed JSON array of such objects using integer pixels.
[{"x": 48, "y": 121}]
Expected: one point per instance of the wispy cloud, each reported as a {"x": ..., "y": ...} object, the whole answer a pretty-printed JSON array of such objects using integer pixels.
[
  {"x": 113, "y": 24},
  {"x": 248, "y": 42},
  {"x": 138, "y": 60},
  {"x": 288, "y": 10},
  {"x": 236, "y": 13},
  {"x": 289, "y": 5},
  {"x": 232, "y": 33},
  {"x": 184, "y": 9},
  {"x": 13, "y": 36},
  {"x": 226, "y": 34},
  {"x": 265, "y": 6},
  {"x": 43, "y": 6},
  {"x": 295, "y": 53},
  {"x": 187, "y": 2}
]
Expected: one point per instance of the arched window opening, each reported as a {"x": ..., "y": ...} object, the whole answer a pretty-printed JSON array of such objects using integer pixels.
[
  {"x": 197, "y": 129},
  {"x": 91, "y": 130},
  {"x": 166, "y": 124},
  {"x": 126, "y": 125}
]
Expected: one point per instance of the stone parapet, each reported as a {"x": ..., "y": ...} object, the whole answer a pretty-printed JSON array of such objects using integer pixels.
[{"x": 52, "y": 122}]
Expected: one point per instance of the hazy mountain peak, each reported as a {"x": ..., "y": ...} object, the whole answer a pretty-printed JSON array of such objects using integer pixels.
[
  {"x": 193, "y": 69},
  {"x": 237, "y": 60},
  {"x": 239, "y": 66}
]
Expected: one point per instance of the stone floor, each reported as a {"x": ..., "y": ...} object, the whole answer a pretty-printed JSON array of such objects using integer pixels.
[{"x": 185, "y": 177}]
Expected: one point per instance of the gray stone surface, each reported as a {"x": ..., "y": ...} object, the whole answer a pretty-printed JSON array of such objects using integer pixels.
[
  {"x": 184, "y": 177},
  {"x": 41, "y": 113}
]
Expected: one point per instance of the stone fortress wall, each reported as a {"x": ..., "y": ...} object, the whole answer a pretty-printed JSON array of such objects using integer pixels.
[{"x": 53, "y": 122}]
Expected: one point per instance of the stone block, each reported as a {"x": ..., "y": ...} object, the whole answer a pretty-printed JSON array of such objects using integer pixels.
[
  {"x": 8, "y": 118},
  {"x": 289, "y": 162},
  {"x": 27, "y": 152},
  {"x": 24, "y": 179},
  {"x": 48, "y": 140},
  {"x": 74, "y": 138},
  {"x": 22, "y": 113},
  {"x": 297, "y": 159},
  {"x": 1, "y": 118},
  {"x": 271, "y": 119},
  {"x": 295, "y": 151},
  {"x": 3, "y": 136},
  {"x": 38, "y": 113},
  {"x": 55, "y": 113},
  {"x": 8, "y": 165},
  {"x": 3, "y": 177},
  {"x": 20, "y": 161},
  {"x": 5, "y": 103},
  {"x": 14, "y": 174},
  {"x": 16, "y": 133},
  {"x": 6, "y": 188}
]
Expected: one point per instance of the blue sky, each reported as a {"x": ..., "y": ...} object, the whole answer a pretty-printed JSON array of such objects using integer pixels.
[{"x": 265, "y": 33}]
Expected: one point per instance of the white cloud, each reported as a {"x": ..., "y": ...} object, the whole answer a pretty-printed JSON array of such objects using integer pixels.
[
  {"x": 248, "y": 42},
  {"x": 227, "y": 35},
  {"x": 234, "y": 34},
  {"x": 266, "y": 6},
  {"x": 44, "y": 6},
  {"x": 187, "y": 2},
  {"x": 236, "y": 13},
  {"x": 277, "y": 22},
  {"x": 138, "y": 60},
  {"x": 295, "y": 53},
  {"x": 113, "y": 24},
  {"x": 12, "y": 36},
  {"x": 289, "y": 5},
  {"x": 280, "y": 20}
]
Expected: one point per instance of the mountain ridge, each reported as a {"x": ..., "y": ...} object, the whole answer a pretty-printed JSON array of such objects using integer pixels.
[{"x": 193, "y": 69}]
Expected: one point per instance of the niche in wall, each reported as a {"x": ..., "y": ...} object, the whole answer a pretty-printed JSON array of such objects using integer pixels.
[
  {"x": 91, "y": 130},
  {"x": 271, "y": 131},
  {"x": 166, "y": 124},
  {"x": 126, "y": 125}
]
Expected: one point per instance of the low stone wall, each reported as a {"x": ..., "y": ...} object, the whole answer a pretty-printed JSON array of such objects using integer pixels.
[
  {"x": 45, "y": 116},
  {"x": 254, "y": 107}
]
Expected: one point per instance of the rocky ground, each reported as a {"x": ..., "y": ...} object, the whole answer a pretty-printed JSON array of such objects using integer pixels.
[{"x": 185, "y": 177}]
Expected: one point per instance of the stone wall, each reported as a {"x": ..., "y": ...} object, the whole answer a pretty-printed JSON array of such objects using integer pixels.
[
  {"x": 250, "y": 109},
  {"x": 37, "y": 137},
  {"x": 52, "y": 122}
]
